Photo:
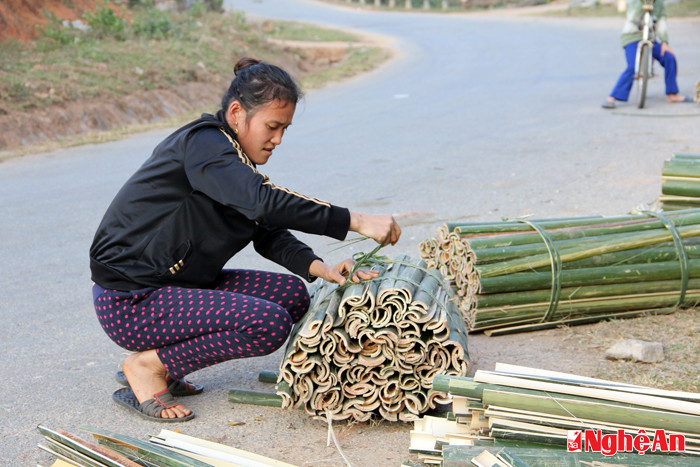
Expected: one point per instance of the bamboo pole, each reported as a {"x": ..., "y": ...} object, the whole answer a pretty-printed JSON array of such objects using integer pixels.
[
  {"x": 245, "y": 396},
  {"x": 538, "y": 407},
  {"x": 587, "y": 268},
  {"x": 587, "y": 276},
  {"x": 605, "y": 394},
  {"x": 570, "y": 294},
  {"x": 600, "y": 247},
  {"x": 591, "y": 410}
]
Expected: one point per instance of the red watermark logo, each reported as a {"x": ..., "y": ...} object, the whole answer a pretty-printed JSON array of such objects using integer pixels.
[{"x": 611, "y": 443}]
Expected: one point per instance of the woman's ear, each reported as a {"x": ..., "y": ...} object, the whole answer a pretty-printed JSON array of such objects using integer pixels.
[
  {"x": 234, "y": 113},
  {"x": 234, "y": 108}
]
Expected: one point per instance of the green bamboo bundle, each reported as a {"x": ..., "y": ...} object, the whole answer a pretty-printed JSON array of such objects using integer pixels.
[
  {"x": 372, "y": 349},
  {"x": 530, "y": 409},
  {"x": 680, "y": 182},
  {"x": 514, "y": 276}
]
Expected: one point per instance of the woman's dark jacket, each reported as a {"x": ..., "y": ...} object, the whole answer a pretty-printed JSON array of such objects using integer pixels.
[{"x": 196, "y": 202}]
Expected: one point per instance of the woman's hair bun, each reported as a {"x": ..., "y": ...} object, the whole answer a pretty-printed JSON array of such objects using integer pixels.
[
  {"x": 257, "y": 83},
  {"x": 245, "y": 62}
]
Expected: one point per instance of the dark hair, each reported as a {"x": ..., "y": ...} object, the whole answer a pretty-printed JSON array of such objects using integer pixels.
[{"x": 258, "y": 83}]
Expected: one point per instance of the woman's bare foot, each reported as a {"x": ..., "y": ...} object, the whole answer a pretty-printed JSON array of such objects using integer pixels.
[
  {"x": 146, "y": 376},
  {"x": 674, "y": 98}
]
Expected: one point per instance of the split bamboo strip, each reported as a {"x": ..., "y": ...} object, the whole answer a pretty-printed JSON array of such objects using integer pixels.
[
  {"x": 460, "y": 456},
  {"x": 538, "y": 407},
  {"x": 534, "y": 373},
  {"x": 372, "y": 349},
  {"x": 214, "y": 451},
  {"x": 513, "y": 276},
  {"x": 664, "y": 403}
]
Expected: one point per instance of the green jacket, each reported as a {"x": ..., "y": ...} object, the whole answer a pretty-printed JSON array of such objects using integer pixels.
[{"x": 631, "y": 32}]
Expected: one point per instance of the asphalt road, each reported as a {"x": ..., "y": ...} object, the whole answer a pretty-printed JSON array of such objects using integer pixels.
[{"x": 477, "y": 118}]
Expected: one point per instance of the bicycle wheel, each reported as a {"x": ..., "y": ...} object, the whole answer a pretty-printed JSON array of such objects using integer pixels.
[{"x": 643, "y": 77}]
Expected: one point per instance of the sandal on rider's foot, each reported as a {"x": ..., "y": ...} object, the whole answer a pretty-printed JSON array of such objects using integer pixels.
[
  {"x": 177, "y": 387},
  {"x": 608, "y": 104},
  {"x": 151, "y": 408}
]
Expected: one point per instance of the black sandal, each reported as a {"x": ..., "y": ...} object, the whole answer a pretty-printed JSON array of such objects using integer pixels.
[
  {"x": 177, "y": 387},
  {"x": 151, "y": 408}
]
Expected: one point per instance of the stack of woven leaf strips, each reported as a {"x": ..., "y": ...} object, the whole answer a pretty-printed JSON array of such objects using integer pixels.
[
  {"x": 373, "y": 348},
  {"x": 522, "y": 275},
  {"x": 529, "y": 412},
  {"x": 680, "y": 182}
]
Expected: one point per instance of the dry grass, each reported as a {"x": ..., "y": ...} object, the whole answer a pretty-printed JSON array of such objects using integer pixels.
[{"x": 678, "y": 332}]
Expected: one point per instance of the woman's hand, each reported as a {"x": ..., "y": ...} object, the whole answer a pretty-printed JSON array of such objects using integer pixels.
[
  {"x": 665, "y": 48},
  {"x": 381, "y": 228},
  {"x": 339, "y": 273}
]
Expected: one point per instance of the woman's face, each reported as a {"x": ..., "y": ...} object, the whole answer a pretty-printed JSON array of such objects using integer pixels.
[{"x": 261, "y": 129}]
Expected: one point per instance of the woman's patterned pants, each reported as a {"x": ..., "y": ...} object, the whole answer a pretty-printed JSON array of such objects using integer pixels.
[{"x": 246, "y": 314}]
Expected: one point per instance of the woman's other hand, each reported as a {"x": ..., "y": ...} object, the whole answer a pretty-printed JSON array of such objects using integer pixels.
[
  {"x": 381, "y": 228},
  {"x": 339, "y": 273},
  {"x": 665, "y": 48}
]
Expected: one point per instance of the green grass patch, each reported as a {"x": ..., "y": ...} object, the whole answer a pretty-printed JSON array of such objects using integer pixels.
[
  {"x": 100, "y": 65},
  {"x": 156, "y": 50},
  {"x": 683, "y": 8},
  {"x": 291, "y": 31}
]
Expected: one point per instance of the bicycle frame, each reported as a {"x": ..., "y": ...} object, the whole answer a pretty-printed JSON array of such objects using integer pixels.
[
  {"x": 641, "y": 75},
  {"x": 647, "y": 29}
]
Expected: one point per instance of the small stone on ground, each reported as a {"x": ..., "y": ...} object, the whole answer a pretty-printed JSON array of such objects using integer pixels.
[{"x": 637, "y": 351}]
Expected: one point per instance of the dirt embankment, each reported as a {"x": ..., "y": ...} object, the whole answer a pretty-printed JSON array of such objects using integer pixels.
[
  {"x": 20, "y": 18},
  {"x": 49, "y": 123}
]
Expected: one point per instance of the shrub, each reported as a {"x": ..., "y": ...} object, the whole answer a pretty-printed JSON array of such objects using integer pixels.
[
  {"x": 152, "y": 23},
  {"x": 56, "y": 31},
  {"x": 199, "y": 7},
  {"x": 105, "y": 23}
]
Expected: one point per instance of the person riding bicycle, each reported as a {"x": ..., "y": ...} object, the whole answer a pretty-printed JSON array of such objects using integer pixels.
[{"x": 631, "y": 35}]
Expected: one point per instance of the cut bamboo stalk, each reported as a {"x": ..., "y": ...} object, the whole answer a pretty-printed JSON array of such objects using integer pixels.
[
  {"x": 244, "y": 396},
  {"x": 588, "y": 421},
  {"x": 588, "y": 276},
  {"x": 527, "y": 372},
  {"x": 638, "y": 399},
  {"x": 570, "y": 254},
  {"x": 485, "y": 301},
  {"x": 587, "y": 409},
  {"x": 267, "y": 376},
  {"x": 587, "y": 268}
]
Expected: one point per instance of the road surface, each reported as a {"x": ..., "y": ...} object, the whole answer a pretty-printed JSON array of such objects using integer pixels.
[{"x": 478, "y": 117}]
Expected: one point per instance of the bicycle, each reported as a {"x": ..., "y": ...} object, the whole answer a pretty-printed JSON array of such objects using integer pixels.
[{"x": 643, "y": 63}]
